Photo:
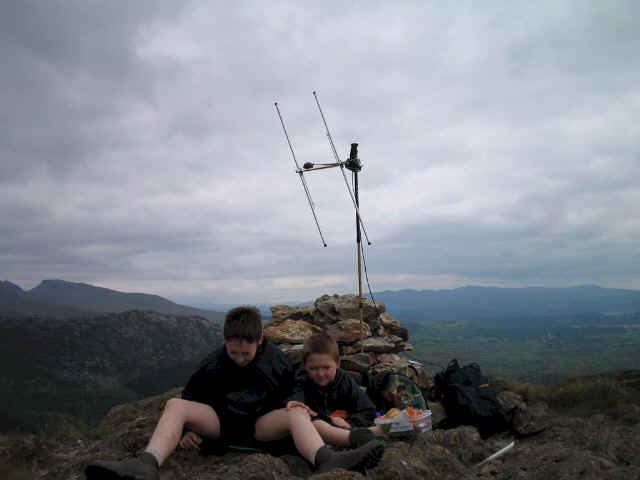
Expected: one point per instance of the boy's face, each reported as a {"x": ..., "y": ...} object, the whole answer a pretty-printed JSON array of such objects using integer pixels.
[
  {"x": 241, "y": 351},
  {"x": 321, "y": 368}
]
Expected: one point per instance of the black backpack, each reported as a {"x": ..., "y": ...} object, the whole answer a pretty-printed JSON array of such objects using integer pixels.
[
  {"x": 469, "y": 400},
  {"x": 389, "y": 390}
]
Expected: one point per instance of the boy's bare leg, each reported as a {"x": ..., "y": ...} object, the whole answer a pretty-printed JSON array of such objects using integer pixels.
[
  {"x": 177, "y": 414},
  {"x": 296, "y": 422},
  {"x": 333, "y": 435}
]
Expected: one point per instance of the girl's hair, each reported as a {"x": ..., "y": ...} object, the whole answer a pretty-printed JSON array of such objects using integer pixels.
[
  {"x": 320, "y": 343},
  {"x": 243, "y": 323}
]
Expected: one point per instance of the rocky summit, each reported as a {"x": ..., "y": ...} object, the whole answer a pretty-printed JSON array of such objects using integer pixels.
[
  {"x": 601, "y": 446},
  {"x": 598, "y": 447}
]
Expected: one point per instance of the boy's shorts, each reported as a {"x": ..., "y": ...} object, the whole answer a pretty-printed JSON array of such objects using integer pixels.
[
  {"x": 237, "y": 429},
  {"x": 239, "y": 432}
]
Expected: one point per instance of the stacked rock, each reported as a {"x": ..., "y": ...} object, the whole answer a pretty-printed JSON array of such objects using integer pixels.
[{"x": 372, "y": 348}]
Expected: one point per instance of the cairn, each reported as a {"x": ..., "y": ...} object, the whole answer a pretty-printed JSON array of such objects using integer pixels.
[{"x": 374, "y": 348}]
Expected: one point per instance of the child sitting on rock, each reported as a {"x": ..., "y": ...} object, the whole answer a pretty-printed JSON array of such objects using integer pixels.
[
  {"x": 340, "y": 410},
  {"x": 236, "y": 396}
]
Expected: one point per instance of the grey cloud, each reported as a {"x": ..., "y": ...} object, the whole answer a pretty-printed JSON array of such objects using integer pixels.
[{"x": 140, "y": 145}]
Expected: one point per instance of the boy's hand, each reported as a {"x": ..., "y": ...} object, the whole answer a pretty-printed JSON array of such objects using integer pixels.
[
  {"x": 340, "y": 422},
  {"x": 294, "y": 404},
  {"x": 191, "y": 440}
]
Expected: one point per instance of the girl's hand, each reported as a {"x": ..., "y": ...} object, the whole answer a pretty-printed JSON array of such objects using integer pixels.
[
  {"x": 340, "y": 422},
  {"x": 294, "y": 404},
  {"x": 191, "y": 440}
]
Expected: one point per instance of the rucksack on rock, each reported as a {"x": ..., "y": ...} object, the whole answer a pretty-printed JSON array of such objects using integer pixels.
[
  {"x": 468, "y": 399},
  {"x": 389, "y": 390}
]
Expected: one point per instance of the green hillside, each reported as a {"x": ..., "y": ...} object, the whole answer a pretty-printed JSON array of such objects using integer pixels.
[
  {"x": 546, "y": 352},
  {"x": 84, "y": 366}
]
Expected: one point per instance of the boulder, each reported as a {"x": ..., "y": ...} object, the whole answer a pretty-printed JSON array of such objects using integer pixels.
[
  {"x": 511, "y": 399},
  {"x": 337, "y": 307},
  {"x": 289, "y": 331},
  {"x": 388, "y": 344},
  {"x": 294, "y": 351},
  {"x": 359, "y": 362},
  {"x": 349, "y": 331},
  {"x": 391, "y": 326},
  {"x": 391, "y": 362},
  {"x": 284, "y": 312}
]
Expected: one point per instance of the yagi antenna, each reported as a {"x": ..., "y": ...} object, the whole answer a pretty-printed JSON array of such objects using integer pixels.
[{"x": 353, "y": 164}]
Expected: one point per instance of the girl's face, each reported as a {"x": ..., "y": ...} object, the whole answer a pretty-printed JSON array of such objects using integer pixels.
[
  {"x": 241, "y": 351},
  {"x": 321, "y": 368}
]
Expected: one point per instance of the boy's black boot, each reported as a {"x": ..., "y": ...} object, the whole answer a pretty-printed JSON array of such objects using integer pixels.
[
  {"x": 360, "y": 436},
  {"x": 366, "y": 456},
  {"x": 140, "y": 467}
]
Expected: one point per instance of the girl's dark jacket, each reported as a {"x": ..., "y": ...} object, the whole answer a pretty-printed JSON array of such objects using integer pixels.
[
  {"x": 343, "y": 393},
  {"x": 249, "y": 391}
]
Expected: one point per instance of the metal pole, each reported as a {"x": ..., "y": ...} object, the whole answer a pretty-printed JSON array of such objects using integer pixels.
[{"x": 354, "y": 155}]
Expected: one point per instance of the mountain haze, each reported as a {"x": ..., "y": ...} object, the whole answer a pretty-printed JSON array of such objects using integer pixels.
[
  {"x": 490, "y": 303},
  {"x": 60, "y": 298}
]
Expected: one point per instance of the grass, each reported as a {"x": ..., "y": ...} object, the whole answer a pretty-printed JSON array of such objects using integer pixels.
[
  {"x": 583, "y": 397},
  {"x": 19, "y": 456},
  {"x": 16, "y": 473},
  {"x": 23, "y": 455}
]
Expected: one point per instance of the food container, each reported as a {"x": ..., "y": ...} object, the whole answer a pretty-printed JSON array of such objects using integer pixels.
[
  {"x": 405, "y": 424},
  {"x": 422, "y": 423},
  {"x": 394, "y": 426}
]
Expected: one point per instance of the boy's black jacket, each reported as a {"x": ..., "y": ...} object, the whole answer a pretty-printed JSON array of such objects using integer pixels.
[
  {"x": 250, "y": 391},
  {"x": 343, "y": 393}
]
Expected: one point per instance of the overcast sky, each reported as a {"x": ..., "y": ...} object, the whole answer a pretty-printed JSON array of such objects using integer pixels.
[{"x": 140, "y": 148}]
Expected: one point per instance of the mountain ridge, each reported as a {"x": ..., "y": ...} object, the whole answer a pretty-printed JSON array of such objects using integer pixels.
[{"x": 61, "y": 298}]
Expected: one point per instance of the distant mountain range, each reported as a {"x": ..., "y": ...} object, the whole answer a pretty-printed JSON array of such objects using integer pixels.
[
  {"x": 59, "y": 298},
  {"x": 491, "y": 304}
]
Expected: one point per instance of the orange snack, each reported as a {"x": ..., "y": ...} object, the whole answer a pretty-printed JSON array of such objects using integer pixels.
[
  {"x": 339, "y": 414},
  {"x": 414, "y": 413},
  {"x": 393, "y": 413}
]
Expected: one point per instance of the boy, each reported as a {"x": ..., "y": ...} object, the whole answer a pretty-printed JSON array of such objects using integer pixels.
[
  {"x": 331, "y": 396},
  {"x": 234, "y": 397}
]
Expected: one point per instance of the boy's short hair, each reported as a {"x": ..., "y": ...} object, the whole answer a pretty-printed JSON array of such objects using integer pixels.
[
  {"x": 322, "y": 343},
  {"x": 243, "y": 323}
]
